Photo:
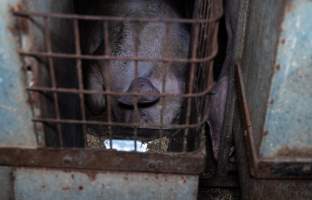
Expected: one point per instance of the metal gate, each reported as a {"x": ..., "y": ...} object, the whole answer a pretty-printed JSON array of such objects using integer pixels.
[{"x": 46, "y": 140}]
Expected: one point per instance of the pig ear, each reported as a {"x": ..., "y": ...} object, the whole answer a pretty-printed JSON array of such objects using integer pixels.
[
  {"x": 217, "y": 103},
  {"x": 95, "y": 81}
]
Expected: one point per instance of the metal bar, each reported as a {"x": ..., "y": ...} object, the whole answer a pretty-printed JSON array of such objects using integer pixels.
[
  {"x": 96, "y": 159},
  {"x": 117, "y": 58},
  {"x": 126, "y": 125},
  {"x": 201, "y": 5},
  {"x": 108, "y": 82},
  {"x": 164, "y": 82},
  {"x": 80, "y": 78},
  {"x": 246, "y": 115},
  {"x": 112, "y": 18},
  {"x": 77, "y": 91},
  {"x": 136, "y": 75},
  {"x": 191, "y": 85},
  {"x": 47, "y": 39}
]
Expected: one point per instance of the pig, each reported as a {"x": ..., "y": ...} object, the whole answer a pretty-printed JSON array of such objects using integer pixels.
[
  {"x": 217, "y": 103},
  {"x": 120, "y": 75}
]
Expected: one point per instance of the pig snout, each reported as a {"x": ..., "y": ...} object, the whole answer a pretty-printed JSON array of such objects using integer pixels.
[{"x": 142, "y": 86}]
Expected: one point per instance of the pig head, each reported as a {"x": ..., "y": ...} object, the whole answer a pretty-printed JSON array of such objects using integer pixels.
[{"x": 138, "y": 39}]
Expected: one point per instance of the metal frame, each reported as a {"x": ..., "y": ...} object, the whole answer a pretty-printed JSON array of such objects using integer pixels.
[
  {"x": 99, "y": 159},
  {"x": 206, "y": 23}
]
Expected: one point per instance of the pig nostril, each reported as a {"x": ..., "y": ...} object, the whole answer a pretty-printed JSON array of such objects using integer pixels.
[
  {"x": 144, "y": 87},
  {"x": 142, "y": 101},
  {"x": 147, "y": 103}
]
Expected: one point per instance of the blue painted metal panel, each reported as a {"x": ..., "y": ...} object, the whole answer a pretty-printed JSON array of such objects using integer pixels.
[
  {"x": 38, "y": 184},
  {"x": 288, "y": 124},
  {"x": 16, "y": 128}
]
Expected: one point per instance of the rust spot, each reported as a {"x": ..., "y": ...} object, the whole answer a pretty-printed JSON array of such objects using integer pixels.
[
  {"x": 283, "y": 41},
  {"x": 92, "y": 175},
  {"x": 126, "y": 178},
  {"x": 289, "y": 7},
  {"x": 66, "y": 188},
  {"x": 265, "y": 133},
  {"x": 277, "y": 67},
  {"x": 20, "y": 25},
  {"x": 17, "y": 7},
  {"x": 80, "y": 188}
]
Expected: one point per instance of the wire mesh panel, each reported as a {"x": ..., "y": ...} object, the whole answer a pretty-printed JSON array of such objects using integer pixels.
[{"x": 133, "y": 82}]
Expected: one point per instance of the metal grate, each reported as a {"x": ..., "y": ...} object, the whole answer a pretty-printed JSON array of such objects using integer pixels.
[{"x": 183, "y": 133}]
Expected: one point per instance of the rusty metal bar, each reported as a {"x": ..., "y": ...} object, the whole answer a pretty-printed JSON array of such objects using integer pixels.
[
  {"x": 246, "y": 115},
  {"x": 164, "y": 82},
  {"x": 191, "y": 85},
  {"x": 80, "y": 78},
  {"x": 77, "y": 91},
  {"x": 107, "y": 51},
  {"x": 117, "y": 58},
  {"x": 48, "y": 44},
  {"x": 136, "y": 75},
  {"x": 97, "y": 159},
  {"x": 126, "y": 125},
  {"x": 113, "y": 18}
]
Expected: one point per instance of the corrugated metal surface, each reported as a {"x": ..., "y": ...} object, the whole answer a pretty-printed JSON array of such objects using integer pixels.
[
  {"x": 15, "y": 129},
  {"x": 288, "y": 124},
  {"x": 38, "y": 184}
]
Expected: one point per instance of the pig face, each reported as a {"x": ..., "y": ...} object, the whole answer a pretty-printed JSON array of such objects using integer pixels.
[{"x": 153, "y": 41}]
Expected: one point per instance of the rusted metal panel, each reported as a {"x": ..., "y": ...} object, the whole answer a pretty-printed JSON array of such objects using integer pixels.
[
  {"x": 278, "y": 176},
  {"x": 97, "y": 159},
  {"x": 53, "y": 184},
  {"x": 274, "y": 88},
  {"x": 262, "y": 30},
  {"x": 16, "y": 130},
  {"x": 288, "y": 123}
]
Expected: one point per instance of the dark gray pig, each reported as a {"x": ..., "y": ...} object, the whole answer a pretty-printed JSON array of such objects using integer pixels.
[{"x": 152, "y": 43}]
